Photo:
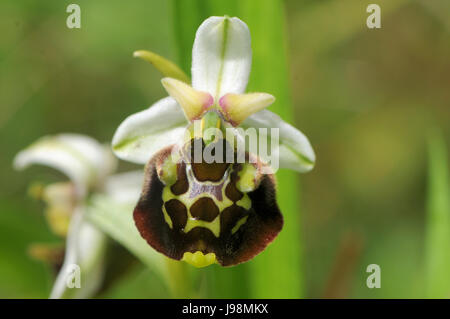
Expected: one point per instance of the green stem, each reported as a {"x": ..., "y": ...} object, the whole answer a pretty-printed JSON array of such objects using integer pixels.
[{"x": 438, "y": 221}]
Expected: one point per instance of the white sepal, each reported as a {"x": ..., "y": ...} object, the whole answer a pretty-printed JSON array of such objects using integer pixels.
[
  {"x": 295, "y": 151},
  {"x": 143, "y": 134},
  {"x": 221, "y": 56}
]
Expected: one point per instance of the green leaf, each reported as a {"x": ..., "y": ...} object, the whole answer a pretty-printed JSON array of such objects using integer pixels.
[{"x": 438, "y": 221}]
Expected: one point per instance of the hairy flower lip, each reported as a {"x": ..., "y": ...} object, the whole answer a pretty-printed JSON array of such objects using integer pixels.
[{"x": 166, "y": 229}]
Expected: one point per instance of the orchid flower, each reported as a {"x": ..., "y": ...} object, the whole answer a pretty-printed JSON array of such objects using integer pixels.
[
  {"x": 205, "y": 212},
  {"x": 89, "y": 166}
]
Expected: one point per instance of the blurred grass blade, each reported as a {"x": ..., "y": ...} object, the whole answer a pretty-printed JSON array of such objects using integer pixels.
[
  {"x": 438, "y": 221},
  {"x": 276, "y": 273}
]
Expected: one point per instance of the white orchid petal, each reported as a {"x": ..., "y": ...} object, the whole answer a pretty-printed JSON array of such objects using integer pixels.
[
  {"x": 142, "y": 134},
  {"x": 125, "y": 187},
  {"x": 80, "y": 157},
  {"x": 221, "y": 56},
  {"x": 295, "y": 150},
  {"x": 86, "y": 249}
]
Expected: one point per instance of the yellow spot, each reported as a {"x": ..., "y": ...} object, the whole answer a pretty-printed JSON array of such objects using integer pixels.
[
  {"x": 245, "y": 202},
  {"x": 36, "y": 191},
  {"x": 240, "y": 222},
  {"x": 167, "y": 194},
  {"x": 58, "y": 218},
  {"x": 202, "y": 124},
  {"x": 213, "y": 226},
  {"x": 168, "y": 171},
  {"x": 167, "y": 217},
  {"x": 246, "y": 182},
  {"x": 50, "y": 253},
  {"x": 198, "y": 259}
]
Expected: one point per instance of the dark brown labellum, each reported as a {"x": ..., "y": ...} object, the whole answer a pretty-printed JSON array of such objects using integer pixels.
[{"x": 206, "y": 212}]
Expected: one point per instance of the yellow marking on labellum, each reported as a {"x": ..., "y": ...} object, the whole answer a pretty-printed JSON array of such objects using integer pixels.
[
  {"x": 167, "y": 217},
  {"x": 167, "y": 194},
  {"x": 245, "y": 202},
  {"x": 247, "y": 180},
  {"x": 198, "y": 259},
  {"x": 213, "y": 226},
  {"x": 247, "y": 184},
  {"x": 240, "y": 222},
  {"x": 168, "y": 171}
]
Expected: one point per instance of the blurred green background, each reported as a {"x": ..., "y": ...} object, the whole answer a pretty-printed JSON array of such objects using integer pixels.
[{"x": 368, "y": 100}]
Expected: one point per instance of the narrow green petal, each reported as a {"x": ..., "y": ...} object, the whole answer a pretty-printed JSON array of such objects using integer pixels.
[
  {"x": 438, "y": 220},
  {"x": 165, "y": 67}
]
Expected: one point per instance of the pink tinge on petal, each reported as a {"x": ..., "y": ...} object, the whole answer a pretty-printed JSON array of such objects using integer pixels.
[
  {"x": 224, "y": 104},
  {"x": 223, "y": 101},
  {"x": 209, "y": 101}
]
